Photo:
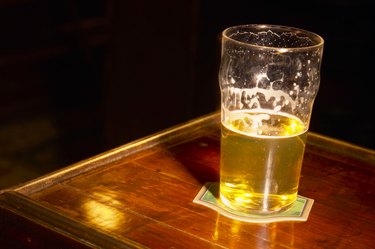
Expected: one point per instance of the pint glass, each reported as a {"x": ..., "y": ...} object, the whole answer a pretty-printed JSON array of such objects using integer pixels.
[{"x": 269, "y": 77}]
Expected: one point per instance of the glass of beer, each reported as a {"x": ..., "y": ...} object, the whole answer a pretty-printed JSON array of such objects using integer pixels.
[{"x": 269, "y": 77}]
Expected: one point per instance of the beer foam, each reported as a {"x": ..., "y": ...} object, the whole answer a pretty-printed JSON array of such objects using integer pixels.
[
  {"x": 263, "y": 92},
  {"x": 253, "y": 122},
  {"x": 272, "y": 39},
  {"x": 250, "y": 97}
]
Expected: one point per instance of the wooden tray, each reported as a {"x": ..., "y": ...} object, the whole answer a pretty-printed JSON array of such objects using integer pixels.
[{"x": 140, "y": 195}]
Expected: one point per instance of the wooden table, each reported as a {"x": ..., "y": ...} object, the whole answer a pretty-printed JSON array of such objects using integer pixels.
[{"x": 141, "y": 195}]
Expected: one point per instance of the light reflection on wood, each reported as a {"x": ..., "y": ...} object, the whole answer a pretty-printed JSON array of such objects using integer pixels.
[
  {"x": 101, "y": 213},
  {"x": 237, "y": 234}
]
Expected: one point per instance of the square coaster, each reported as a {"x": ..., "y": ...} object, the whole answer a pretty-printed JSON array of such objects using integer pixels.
[{"x": 207, "y": 196}]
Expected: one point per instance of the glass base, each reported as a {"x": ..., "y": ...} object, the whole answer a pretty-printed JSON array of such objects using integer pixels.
[{"x": 248, "y": 210}]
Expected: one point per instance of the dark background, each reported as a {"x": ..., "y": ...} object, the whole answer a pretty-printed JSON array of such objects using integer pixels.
[{"x": 80, "y": 77}]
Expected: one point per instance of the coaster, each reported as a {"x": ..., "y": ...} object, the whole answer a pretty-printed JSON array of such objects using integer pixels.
[{"x": 298, "y": 212}]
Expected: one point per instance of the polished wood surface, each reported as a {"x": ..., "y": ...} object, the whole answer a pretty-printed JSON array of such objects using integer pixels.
[{"x": 141, "y": 195}]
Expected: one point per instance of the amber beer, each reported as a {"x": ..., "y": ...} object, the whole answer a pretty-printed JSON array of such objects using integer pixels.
[{"x": 261, "y": 159}]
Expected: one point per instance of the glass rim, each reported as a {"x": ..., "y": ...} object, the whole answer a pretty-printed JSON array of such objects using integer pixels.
[{"x": 318, "y": 40}]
